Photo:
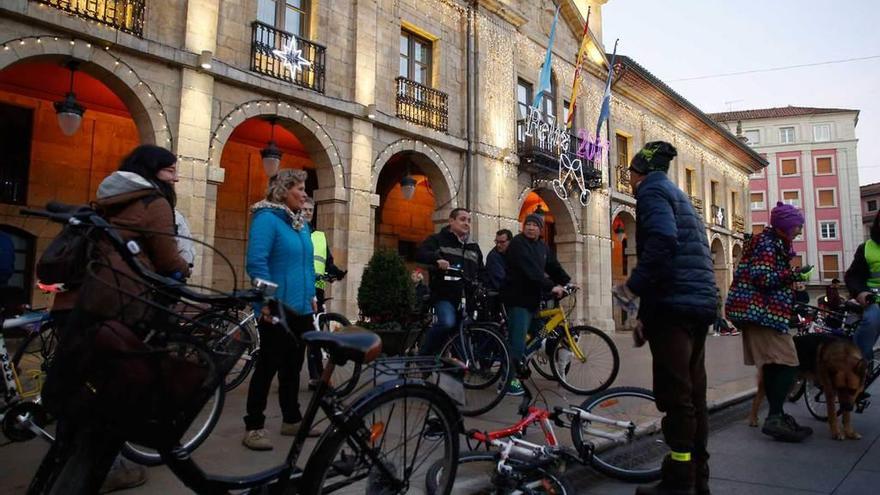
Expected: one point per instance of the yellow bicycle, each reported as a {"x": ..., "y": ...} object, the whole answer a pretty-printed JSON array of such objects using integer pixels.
[{"x": 583, "y": 359}]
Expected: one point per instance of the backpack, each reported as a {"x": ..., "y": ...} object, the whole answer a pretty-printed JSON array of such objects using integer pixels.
[{"x": 65, "y": 259}]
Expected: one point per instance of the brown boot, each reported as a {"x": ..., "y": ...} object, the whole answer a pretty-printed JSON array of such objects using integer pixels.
[{"x": 678, "y": 479}]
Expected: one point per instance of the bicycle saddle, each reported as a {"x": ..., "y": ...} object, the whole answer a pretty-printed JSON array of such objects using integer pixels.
[{"x": 352, "y": 344}]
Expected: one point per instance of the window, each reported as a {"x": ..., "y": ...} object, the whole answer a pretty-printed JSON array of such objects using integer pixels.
[
  {"x": 824, "y": 166},
  {"x": 415, "y": 58},
  {"x": 548, "y": 103},
  {"x": 754, "y": 137},
  {"x": 826, "y": 198},
  {"x": 797, "y": 261},
  {"x": 565, "y": 105},
  {"x": 622, "y": 151},
  {"x": 830, "y": 266},
  {"x": 786, "y": 135},
  {"x": 872, "y": 205},
  {"x": 523, "y": 98},
  {"x": 734, "y": 202},
  {"x": 713, "y": 189},
  {"x": 788, "y": 166},
  {"x": 792, "y": 198},
  {"x": 828, "y": 230},
  {"x": 16, "y": 124},
  {"x": 757, "y": 228},
  {"x": 689, "y": 181},
  {"x": 286, "y": 15},
  {"x": 821, "y": 132},
  {"x": 757, "y": 200}
]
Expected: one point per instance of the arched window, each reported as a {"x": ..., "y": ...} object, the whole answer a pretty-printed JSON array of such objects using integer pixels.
[{"x": 548, "y": 102}]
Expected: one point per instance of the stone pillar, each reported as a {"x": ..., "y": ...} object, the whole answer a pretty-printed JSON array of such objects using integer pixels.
[{"x": 597, "y": 281}]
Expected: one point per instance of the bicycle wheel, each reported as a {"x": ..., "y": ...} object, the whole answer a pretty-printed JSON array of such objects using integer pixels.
[
  {"x": 596, "y": 371},
  {"x": 234, "y": 326},
  {"x": 407, "y": 427},
  {"x": 477, "y": 473},
  {"x": 815, "y": 399},
  {"x": 796, "y": 390},
  {"x": 541, "y": 363},
  {"x": 342, "y": 375},
  {"x": 488, "y": 368},
  {"x": 630, "y": 454}
]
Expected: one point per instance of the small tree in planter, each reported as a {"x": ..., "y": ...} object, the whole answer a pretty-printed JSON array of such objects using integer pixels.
[{"x": 385, "y": 298}]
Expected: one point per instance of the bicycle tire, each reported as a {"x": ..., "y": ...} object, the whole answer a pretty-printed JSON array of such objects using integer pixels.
[
  {"x": 465, "y": 482},
  {"x": 814, "y": 398},
  {"x": 369, "y": 416},
  {"x": 485, "y": 379},
  {"x": 150, "y": 457},
  {"x": 542, "y": 360},
  {"x": 642, "y": 454},
  {"x": 596, "y": 347},
  {"x": 223, "y": 322}
]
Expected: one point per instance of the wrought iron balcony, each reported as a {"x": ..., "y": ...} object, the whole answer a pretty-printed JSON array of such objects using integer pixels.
[
  {"x": 541, "y": 157},
  {"x": 422, "y": 105},
  {"x": 698, "y": 205},
  {"x": 124, "y": 15},
  {"x": 623, "y": 184},
  {"x": 739, "y": 223},
  {"x": 719, "y": 216},
  {"x": 266, "y": 39}
]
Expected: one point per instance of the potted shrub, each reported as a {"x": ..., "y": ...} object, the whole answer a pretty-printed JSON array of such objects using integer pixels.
[{"x": 385, "y": 299}]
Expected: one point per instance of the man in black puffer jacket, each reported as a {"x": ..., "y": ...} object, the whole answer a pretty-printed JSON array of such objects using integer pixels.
[
  {"x": 675, "y": 282},
  {"x": 448, "y": 248}
]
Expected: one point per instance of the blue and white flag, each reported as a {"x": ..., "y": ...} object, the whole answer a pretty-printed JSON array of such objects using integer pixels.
[
  {"x": 605, "y": 112},
  {"x": 544, "y": 79}
]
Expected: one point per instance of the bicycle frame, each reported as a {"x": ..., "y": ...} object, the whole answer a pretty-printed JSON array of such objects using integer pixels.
[
  {"x": 14, "y": 392},
  {"x": 555, "y": 316}
]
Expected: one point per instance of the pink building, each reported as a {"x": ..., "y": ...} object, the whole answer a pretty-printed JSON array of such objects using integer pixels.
[{"x": 812, "y": 165}]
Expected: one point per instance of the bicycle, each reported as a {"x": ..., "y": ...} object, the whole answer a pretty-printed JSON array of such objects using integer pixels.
[
  {"x": 362, "y": 446},
  {"x": 572, "y": 355},
  {"x": 630, "y": 446}
]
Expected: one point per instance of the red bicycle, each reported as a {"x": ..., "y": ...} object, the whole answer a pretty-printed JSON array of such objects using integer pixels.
[{"x": 616, "y": 431}]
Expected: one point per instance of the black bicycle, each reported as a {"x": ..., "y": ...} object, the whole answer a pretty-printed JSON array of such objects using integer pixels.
[{"x": 383, "y": 441}]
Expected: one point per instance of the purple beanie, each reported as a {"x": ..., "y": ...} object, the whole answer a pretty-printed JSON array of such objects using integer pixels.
[{"x": 786, "y": 218}]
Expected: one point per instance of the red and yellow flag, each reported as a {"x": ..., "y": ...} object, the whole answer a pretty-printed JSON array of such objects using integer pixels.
[{"x": 577, "y": 71}]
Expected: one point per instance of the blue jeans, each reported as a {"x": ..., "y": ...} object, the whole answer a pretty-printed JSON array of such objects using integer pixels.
[
  {"x": 866, "y": 334},
  {"x": 445, "y": 318}
]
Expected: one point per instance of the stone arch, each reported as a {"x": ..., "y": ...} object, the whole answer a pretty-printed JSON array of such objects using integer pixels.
[
  {"x": 435, "y": 168},
  {"x": 146, "y": 110},
  {"x": 310, "y": 132},
  {"x": 555, "y": 204},
  {"x": 624, "y": 209}
]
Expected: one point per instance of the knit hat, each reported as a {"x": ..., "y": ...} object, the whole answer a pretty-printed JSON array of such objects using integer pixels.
[
  {"x": 786, "y": 218},
  {"x": 656, "y": 155},
  {"x": 535, "y": 219}
]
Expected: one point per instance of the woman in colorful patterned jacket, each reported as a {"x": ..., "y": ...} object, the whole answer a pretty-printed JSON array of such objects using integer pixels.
[{"x": 760, "y": 303}]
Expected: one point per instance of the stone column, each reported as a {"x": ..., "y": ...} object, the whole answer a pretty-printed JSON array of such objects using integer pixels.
[{"x": 596, "y": 260}]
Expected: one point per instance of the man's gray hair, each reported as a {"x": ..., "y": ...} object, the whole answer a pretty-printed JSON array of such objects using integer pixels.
[{"x": 281, "y": 182}]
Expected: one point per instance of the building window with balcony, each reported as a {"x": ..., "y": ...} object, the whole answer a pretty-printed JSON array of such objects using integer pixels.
[
  {"x": 124, "y": 15},
  {"x": 824, "y": 165},
  {"x": 622, "y": 170},
  {"x": 753, "y": 137},
  {"x": 417, "y": 101},
  {"x": 830, "y": 268},
  {"x": 523, "y": 98},
  {"x": 826, "y": 198},
  {"x": 285, "y": 15},
  {"x": 788, "y": 166},
  {"x": 792, "y": 197},
  {"x": 786, "y": 135},
  {"x": 828, "y": 230},
  {"x": 757, "y": 200},
  {"x": 821, "y": 132},
  {"x": 871, "y": 205},
  {"x": 548, "y": 103}
]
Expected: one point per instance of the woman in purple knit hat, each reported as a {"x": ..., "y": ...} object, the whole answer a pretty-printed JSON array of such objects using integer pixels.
[{"x": 760, "y": 303}]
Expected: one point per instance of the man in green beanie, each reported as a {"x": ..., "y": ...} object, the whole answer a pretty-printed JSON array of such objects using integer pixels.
[{"x": 675, "y": 283}]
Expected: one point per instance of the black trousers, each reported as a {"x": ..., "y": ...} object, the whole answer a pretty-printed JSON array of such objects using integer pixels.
[
  {"x": 679, "y": 351},
  {"x": 279, "y": 353}
]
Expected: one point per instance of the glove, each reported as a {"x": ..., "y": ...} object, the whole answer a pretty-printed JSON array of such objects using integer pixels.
[
  {"x": 625, "y": 298},
  {"x": 805, "y": 273}
]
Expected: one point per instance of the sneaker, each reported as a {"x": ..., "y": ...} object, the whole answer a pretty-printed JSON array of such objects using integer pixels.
[
  {"x": 784, "y": 428},
  {"x": 257, "y": 440},
  {"x": 291, "y": 429},
  {"x": 123, "y": 475},
  {"x": 515, "y": 388},
  {"x": 733, "y": 332},
  {"x": 434, "y": 429}
]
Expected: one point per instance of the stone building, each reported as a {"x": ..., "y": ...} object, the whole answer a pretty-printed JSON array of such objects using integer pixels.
[
  {"x": 870, "y": 195},
  {"x": 430, "y": 95}
]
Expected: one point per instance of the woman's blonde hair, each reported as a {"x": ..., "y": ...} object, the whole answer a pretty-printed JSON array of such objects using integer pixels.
[{"x": 281, "y": 182}]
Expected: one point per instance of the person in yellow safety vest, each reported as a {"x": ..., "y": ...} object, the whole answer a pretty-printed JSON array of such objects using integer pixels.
[
  {"x": 323, "y": 256},
  {"x": 863, "y": 281}
]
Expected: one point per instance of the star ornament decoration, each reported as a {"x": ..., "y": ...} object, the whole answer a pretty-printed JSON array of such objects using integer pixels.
[{"x": 292, "y": 57}]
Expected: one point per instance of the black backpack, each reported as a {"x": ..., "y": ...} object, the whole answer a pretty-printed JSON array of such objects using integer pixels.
[{"x": 65, "y": 259}]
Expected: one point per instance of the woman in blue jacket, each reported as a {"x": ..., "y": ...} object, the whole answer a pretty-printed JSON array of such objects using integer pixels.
[{"x": 280, "y": 250}]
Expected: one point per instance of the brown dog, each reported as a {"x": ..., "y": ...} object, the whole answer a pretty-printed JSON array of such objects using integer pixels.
[{"x": 838, "y": 367}]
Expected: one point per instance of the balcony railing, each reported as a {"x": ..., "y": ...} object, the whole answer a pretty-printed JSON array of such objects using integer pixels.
[
  {"x": 422, "y": 105},
  {"x": 698, "y": 205},
  {"x": 719, "y": 216},
  {"x": 542, "y": 157},
  {"x": 266, "y": 39},
  {"x": 739, "y": 223},
  {"x": 623, "y": 184},
  {"x": 124, "y": 15}
]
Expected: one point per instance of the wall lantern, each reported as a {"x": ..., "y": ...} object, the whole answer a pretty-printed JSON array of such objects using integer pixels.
[
  {"x": 68, "y": 111},
  {"x": 271, "y": 154},
  {"x": 408, "y": 185},
  {"x": 205, "y": 59}
]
